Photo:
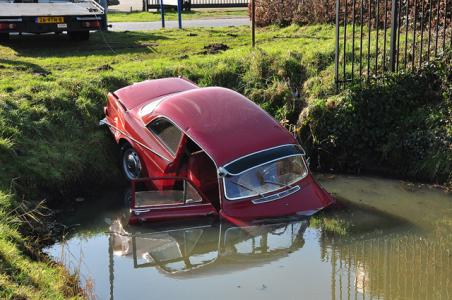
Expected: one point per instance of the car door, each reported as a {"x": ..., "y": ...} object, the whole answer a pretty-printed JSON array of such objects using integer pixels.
[
  {"x": 165, "y": 198},
  {"x": 168, "y": 196}
]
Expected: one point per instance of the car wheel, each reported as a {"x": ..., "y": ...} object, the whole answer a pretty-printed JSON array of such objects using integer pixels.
[{"x": 131, "y": 163}]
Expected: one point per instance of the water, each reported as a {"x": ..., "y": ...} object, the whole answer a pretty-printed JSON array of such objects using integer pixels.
[{"x": 387, "y": 240}]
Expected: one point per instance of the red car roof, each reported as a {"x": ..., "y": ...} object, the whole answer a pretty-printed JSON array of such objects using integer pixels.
[
  {"x": 222, "y": 122},
  {"x": 139, "y": 93}
]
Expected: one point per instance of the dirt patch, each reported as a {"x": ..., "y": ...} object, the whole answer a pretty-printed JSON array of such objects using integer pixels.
[
  {"x": 42, "y": 73},
  {"x": 104, "y": 68},
  {"x": 215, "y": 48}
]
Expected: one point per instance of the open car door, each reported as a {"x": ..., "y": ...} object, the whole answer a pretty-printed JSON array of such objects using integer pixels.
[
  {"x": 176, "y": 250},
  {"x": 166, "y": 198}
]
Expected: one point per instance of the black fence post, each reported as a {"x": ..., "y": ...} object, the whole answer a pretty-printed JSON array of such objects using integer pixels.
[
  {"x": 393, "y": 38},
  {"x": 409, "y": 18},
  {"x": 162, "y": 13},
  {"x": 179, "y": 13},
  {"x": 336, "y": 68},
  {"x": 253, "y": 23}
]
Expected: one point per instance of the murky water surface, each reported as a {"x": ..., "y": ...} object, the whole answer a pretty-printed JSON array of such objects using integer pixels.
[{"x": 388, "y": 240}]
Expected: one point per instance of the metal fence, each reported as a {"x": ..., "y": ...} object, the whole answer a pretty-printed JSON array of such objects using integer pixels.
[
  {"x": 188, "y": 4},
  {"x": 378, "y": 36}
]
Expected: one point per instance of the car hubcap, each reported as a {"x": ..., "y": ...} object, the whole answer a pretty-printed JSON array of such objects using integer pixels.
[{"x": 131, "y": 164}]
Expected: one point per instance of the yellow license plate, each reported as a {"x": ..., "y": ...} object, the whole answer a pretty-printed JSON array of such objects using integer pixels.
[{"x": 50, "y": 20}]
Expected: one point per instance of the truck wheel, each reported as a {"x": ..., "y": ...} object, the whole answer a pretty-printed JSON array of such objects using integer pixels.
[
  {"x": 79, "y": 35},
  {"x": 4, "y": 36}
]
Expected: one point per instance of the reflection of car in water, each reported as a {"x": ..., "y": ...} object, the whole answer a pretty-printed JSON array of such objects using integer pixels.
[{"x": 207, "y": 247}]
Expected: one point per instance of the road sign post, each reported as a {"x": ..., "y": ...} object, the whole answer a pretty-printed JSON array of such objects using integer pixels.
[
  {"x": 179, "y": 13},
  {"x": 162, "y": 13}
]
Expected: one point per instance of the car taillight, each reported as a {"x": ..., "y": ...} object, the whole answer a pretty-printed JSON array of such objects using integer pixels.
[
  {"x": 6, "y": 26},
  {"x": 91, "y": 24}
]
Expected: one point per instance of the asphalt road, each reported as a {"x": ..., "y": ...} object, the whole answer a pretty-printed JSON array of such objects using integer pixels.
[{"x": 135, "y": 26}]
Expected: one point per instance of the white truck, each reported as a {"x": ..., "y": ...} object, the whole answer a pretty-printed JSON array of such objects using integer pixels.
[{"x": 76, "y": 17}]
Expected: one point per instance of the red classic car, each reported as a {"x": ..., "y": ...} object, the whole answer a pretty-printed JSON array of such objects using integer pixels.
[{"x": 191, "y": 151}]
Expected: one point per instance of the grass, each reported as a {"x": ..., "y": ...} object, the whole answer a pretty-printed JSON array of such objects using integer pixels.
[
  {"x": 24, "y": 272},
  {"x": 171, "y": 15}
]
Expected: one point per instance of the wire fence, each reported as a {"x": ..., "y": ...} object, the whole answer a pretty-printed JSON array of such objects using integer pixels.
[{"x": 374, "y": 37}]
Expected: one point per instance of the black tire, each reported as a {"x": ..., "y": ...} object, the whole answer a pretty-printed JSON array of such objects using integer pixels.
[
  {"x": 79, "y": 35},
  {"x": 4, "y": 36},
  {"x": 131, "y": 166}
]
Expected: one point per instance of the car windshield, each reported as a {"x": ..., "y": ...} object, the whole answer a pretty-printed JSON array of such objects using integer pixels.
[{"x": 266, "y": 178}]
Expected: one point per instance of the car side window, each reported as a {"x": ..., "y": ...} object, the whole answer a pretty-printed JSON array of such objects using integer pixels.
[{"x": 168, "y": 134}]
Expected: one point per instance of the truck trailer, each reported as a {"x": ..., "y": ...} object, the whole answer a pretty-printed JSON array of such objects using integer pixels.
[{"x": 75, "y": 17}]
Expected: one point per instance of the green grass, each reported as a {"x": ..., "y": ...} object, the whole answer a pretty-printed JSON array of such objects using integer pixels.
[
  {"x": 171, "y": 15},
  {"x": 25, "y": 273}
]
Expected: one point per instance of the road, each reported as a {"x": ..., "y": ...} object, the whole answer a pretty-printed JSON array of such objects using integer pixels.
[{"x": 135, "y": 26}]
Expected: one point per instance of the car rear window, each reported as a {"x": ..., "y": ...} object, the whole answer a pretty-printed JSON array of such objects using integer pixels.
[{"x": 168, "y": 134}]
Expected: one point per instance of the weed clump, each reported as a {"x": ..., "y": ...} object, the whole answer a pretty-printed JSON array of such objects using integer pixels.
[{"x": 399, "y": 126}]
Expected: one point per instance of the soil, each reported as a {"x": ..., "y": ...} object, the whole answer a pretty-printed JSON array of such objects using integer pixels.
[{"x": 215, "y": 48}]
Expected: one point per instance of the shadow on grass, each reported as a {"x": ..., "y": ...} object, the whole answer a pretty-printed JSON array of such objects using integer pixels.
[
  {"x": 16, "y": 274},
  {"x": 100, "y": 43},
  {"x": 24, "y": 66}
]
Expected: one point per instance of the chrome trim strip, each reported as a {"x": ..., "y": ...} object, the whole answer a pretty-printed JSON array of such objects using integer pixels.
[
  {"x": 105, "y": 122},
  {"x": 88, "y": 18},
  {"x": 277, "y": 196},
  {"x": 232, "y": 161},
  {"x": 11, "y": 20},
  {"x": 138, "y": 211}
]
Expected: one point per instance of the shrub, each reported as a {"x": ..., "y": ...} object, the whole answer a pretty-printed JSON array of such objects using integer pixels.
[
  {"x": 285, "y": 12},
  {"x": 400, "y": 126}
]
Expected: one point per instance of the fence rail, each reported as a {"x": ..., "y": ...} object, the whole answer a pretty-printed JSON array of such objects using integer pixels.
[
  {"x": 374, "y": 37},
  {"x": 188, "y": 4}
]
